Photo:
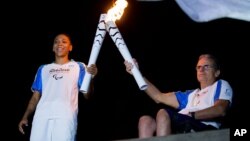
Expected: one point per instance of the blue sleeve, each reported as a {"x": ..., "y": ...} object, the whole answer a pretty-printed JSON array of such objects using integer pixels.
[
  {"x": 37, "y": 84},
  {"x": 81, "y": 74},
  {"x": 182, "y": 98},
  {"x": 218, "y": 90},
  {"x": 223, "y": 91}
]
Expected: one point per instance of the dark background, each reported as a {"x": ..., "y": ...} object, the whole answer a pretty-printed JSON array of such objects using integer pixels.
[{"x": 163, "y": 39}]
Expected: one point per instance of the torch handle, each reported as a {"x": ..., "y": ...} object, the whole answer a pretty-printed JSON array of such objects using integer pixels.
[{"x": 135, "y": 71}]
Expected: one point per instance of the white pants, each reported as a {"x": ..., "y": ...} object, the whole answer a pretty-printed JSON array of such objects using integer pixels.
[{"x": 57, "y": 129}]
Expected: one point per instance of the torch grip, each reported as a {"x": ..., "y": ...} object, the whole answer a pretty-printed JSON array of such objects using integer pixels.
[
  {"x": 135, "y": 71},
  {"x": 122, "y": 47},
  {"x": 99, "y": 37}
]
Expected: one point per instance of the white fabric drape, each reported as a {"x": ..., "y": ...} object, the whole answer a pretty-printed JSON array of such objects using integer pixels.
[{"x": 207, "y": 10}]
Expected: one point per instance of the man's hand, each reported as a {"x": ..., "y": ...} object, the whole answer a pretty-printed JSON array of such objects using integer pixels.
[{"x": 129, "y": 66}]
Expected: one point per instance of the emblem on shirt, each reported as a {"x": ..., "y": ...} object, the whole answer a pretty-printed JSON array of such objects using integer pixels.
[
  {"x": 57, "y": 77},
  {"x": 58, "y": 73}
]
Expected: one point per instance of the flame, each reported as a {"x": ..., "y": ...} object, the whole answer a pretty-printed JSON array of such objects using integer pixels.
[{"x": 117, "y": 10}]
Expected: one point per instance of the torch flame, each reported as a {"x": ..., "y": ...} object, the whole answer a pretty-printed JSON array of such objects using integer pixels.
[{"x": 117, "y": 10}]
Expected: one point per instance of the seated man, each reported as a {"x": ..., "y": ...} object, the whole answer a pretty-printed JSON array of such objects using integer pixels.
[{"x": 197, "y": 109}]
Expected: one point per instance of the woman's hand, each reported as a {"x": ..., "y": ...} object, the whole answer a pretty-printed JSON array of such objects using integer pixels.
[{"x": 92, "y": 69}]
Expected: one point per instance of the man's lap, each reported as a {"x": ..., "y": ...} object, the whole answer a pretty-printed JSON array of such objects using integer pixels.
[{"x": 182, "y": 123}]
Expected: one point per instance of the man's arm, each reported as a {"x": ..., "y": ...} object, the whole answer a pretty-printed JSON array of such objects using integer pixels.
[
  {"x": 218, "y": 110},
  {"x": 159, "y": 97}
]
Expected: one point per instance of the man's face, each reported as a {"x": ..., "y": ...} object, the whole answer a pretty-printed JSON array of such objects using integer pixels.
[{"x": 206, "y": 71}]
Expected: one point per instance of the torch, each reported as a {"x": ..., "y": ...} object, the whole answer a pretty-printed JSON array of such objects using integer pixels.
[
  {"x": 112, "y": 15},
  {"x": 99, "y": 37}
]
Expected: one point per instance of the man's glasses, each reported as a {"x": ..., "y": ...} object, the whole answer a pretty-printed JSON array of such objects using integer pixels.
[{"x": 205, "y": 67}]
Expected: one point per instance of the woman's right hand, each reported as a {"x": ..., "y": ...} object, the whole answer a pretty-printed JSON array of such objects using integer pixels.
[{"x": 22, "y": 123}]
